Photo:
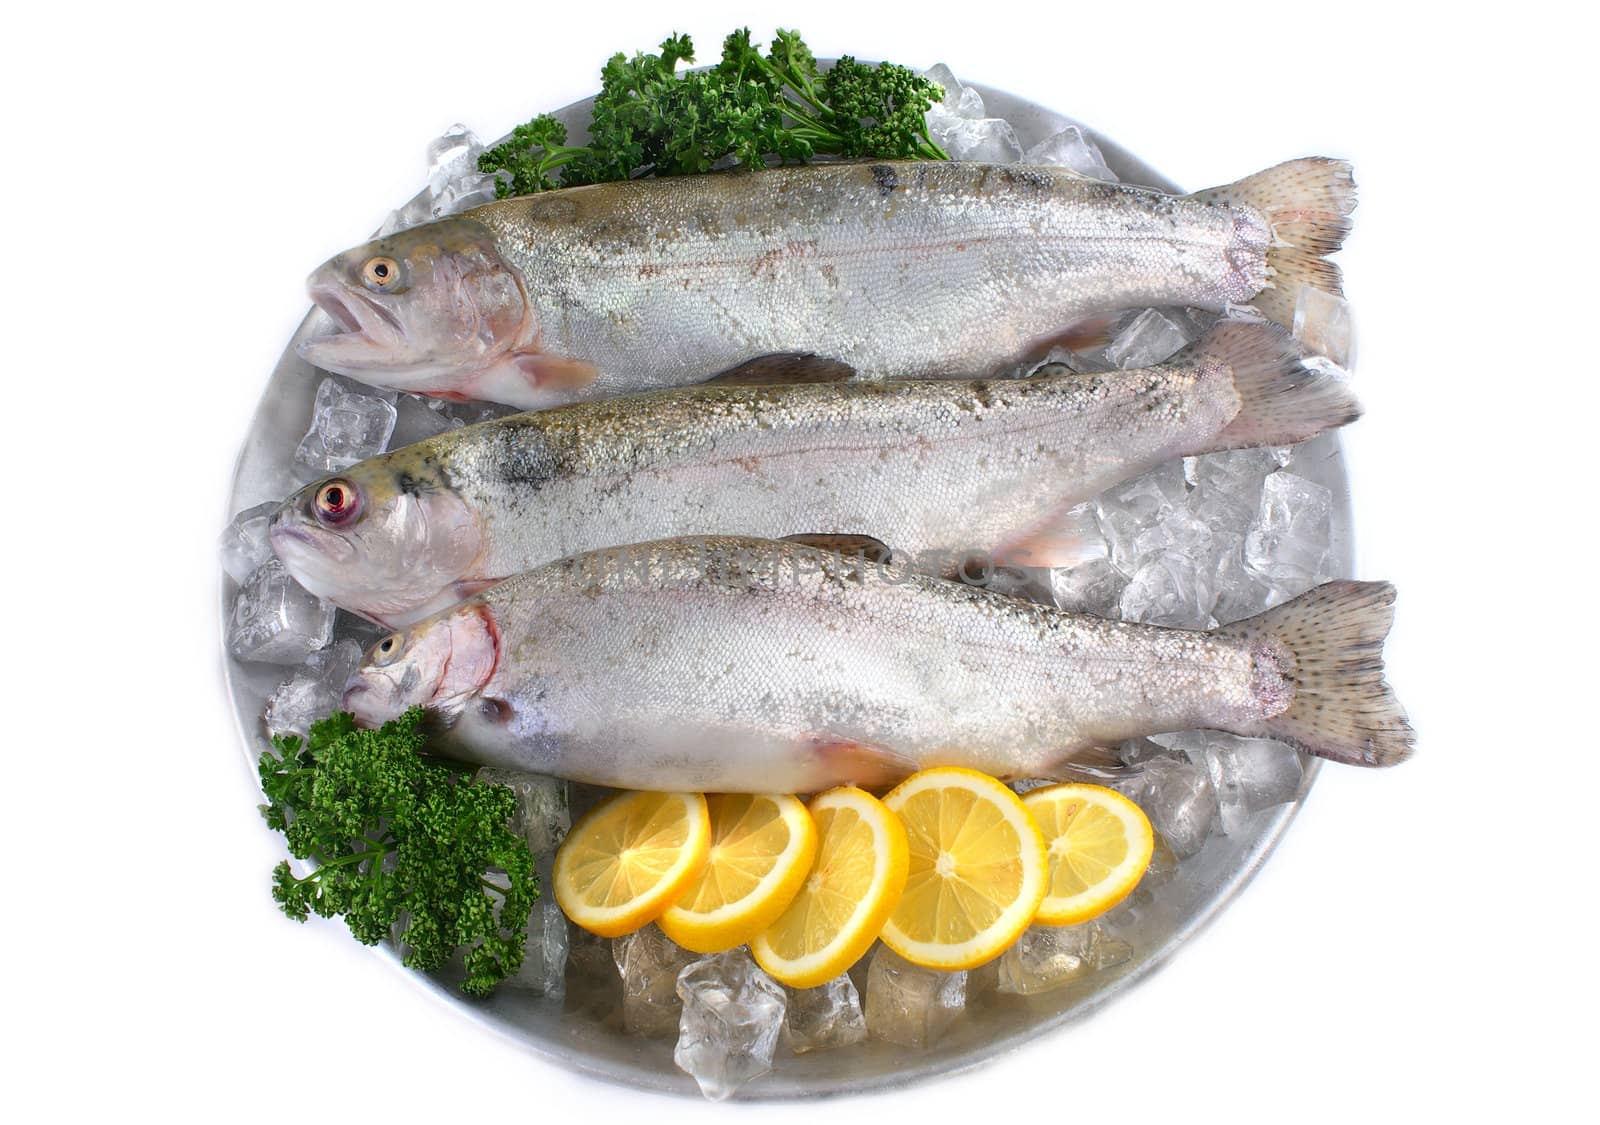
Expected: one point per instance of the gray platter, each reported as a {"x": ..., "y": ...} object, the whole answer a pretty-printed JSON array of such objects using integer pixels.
[{"x": 584, "y": 1034}]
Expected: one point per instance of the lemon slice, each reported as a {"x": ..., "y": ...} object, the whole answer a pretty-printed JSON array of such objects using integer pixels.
[
  {"x": 629, "y": 857},
  {"x": 1099, "y": 844},
  {"x": 761, "y": 850},
  {"x": 977, "y": 869},
  {"x": 850, "y": 889}
]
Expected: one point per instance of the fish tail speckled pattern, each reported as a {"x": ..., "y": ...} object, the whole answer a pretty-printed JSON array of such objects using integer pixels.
[
  {"x": 1322, "y": 653},
  {"x": 1307, "y": 204},
  {"x": 1282, "y": 401}
]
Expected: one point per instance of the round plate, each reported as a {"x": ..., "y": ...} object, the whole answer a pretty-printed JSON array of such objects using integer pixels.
[{"x": 584, "y": 1033}]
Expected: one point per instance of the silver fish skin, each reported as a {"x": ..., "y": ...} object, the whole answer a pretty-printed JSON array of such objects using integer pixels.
[
  {"x": 939, "y": 470},
  {"x": 898, "y": 270},
  {"x": 731, "y": 664}
]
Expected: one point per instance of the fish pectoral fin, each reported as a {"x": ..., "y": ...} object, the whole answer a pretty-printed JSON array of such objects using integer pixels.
[
  {"x": 471, "y": 587},
  {"x": 1067, "y": 536},
  {"x": 854, "y": 546},
  {"x": 1094, "y": 763},
  {"x": 547, "y": 372},
  {"x": 1080, "y": 336},
  {"x": 852, "y": 763},
  {"x": 786, "y": 369}
]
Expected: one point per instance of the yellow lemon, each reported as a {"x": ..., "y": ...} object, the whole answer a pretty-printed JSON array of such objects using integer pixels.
[
  {"x": 977, "y": 871},
  {"x": 761, "y": 849},
  {"x": 851, "y": 887},
  {"x": 1099, "y": 844},
  {"x": 629, "y": 858}
]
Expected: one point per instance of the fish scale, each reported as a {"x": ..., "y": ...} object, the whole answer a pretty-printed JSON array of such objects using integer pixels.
[
  {"x": 736, "y": 664},
  {"x": 920, "y": 269},
  {"x": 939, "y": 470}
]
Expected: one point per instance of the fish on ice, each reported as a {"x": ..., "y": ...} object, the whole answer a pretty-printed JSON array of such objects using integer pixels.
[{"x": 899, "y": 270}]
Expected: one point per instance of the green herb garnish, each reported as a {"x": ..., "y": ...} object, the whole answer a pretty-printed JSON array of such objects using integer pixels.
[
  {"x": 391, "y": 834},
  {"x": 651, "y": 120}
]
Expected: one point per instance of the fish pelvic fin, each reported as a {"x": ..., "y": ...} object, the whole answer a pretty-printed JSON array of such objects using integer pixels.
[
  {"x": 1326, "y": 648},
  {"x": 1307, "y": 203},
  {"x": 1282, "y": 401}
]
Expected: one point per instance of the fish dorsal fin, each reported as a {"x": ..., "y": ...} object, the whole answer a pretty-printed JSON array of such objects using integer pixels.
[
  {"x": 863, "y": 546},
  {"x": 783, "y": 369}
]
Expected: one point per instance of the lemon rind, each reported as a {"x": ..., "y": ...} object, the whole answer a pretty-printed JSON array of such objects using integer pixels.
[
  {"x": 861, "y": 929},
  {"x": 735, "y": 923},
  {"x": 1092, "y": 902},
  {"x": 1011, "y": 923}
]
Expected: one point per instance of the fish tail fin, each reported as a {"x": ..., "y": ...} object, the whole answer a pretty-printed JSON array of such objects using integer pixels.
[
  {"x": 1324, "y": 650},
  {"x": 1282, "y": 401},
  {"x": 1307, "y": 203}
]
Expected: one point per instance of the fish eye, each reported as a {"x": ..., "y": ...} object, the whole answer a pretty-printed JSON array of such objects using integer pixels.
[
  {"x": 386, "y": 650},
  {"x": 337, "y": 502},
  {"x": 381, "y": 274}
]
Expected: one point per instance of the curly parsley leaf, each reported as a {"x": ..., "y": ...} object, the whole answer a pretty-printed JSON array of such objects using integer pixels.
[{"x": 387, "y": 836}]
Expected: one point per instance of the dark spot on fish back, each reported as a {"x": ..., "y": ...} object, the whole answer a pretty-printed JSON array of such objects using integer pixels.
[{"x": 886, "y": 179}]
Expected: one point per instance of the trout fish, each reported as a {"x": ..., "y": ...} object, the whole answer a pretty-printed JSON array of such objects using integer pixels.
[
  {"x": 943, "y": 471},
  {"x": 731, "y": 664},
  {"x": 916, "y": 269}
]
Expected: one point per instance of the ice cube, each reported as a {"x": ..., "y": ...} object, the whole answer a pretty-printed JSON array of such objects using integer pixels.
[
  {"x": 1227, "y": 487},
  {"x": 346, "y": 426},
  {"x": 1178, "y": 798},
  {"x": 1137, "y": 751},
  {"x": 1240, "y": 593},
  {"x": 991, "y": 140},
  {"x": 1178, "y": 532},
  {"x": 649, "y": 962},
  {"x": 1071, "y": 148},
  {"x": 417, "y": 419},
  {"x": 1249, "y": 775},
  {"x": 1151, "y": 337},
  {"x": 315, "y": 691},
  {"x": 732, "y": 1015},
  {"x": 543, "y": 813},
  {"x": 454, "y": 182},
  {"x": 944, "y": 76},
  {"x": 592, "y": 981},
  {"x": 908, "y": 1004},
  {"x": 244, "y": 545},
  {"x": 544, "y": 955},
  {"x": 1133, "y": 507},
  {"x": 1171, "y": 589},
  {"x": 1322, "y": 323},
  {"x": 824, "y": 1017},
  {"x": 1289, "y": 544},
  {"x": 1046, "y": 958},
  {"x": 452, "y": 156},
  {"x": 963, "y": 101},
  {"x": 1095, "y": 587},
  {"x": 275, "y": 621}
]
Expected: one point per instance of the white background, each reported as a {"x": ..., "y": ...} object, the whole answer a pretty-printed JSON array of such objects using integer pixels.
[{"x": 1420, "y": 942}]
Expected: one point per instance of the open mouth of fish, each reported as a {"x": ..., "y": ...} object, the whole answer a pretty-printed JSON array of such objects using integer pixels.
[{"x": 358, "y": 318}]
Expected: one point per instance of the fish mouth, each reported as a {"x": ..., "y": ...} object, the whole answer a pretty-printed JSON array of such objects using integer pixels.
[
  {"x": 299, "y": 543},
  {"x": 364, "y": 329}
]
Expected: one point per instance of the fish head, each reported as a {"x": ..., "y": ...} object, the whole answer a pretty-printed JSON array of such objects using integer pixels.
[
  {"x": 424, "y": 309},
  {"x": 438, "y": 663},
  {"x": 388, "y": 538}
]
